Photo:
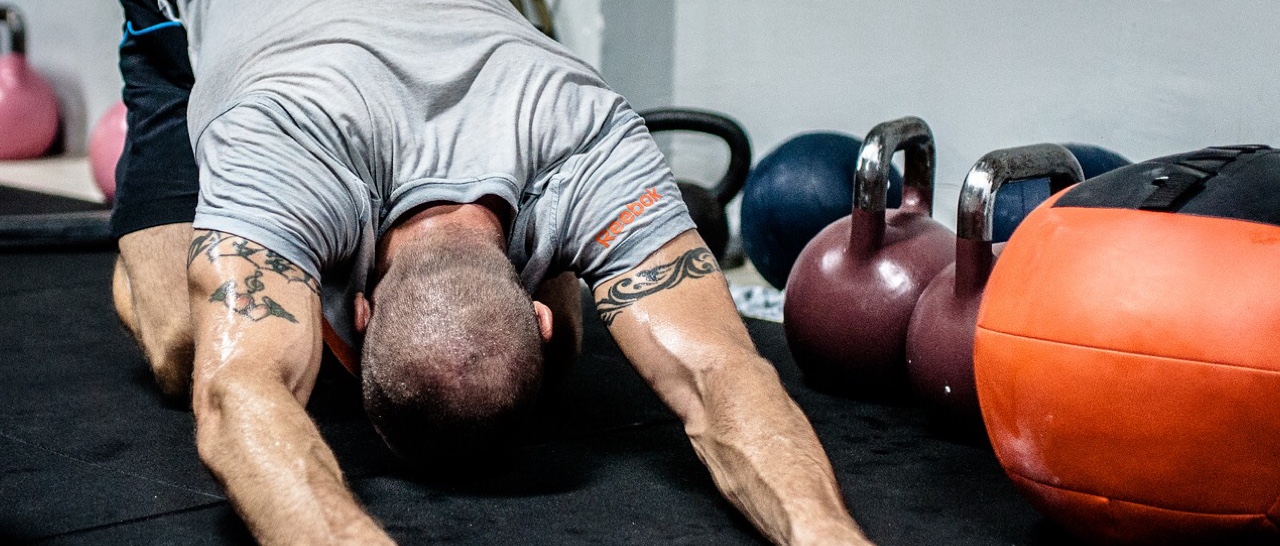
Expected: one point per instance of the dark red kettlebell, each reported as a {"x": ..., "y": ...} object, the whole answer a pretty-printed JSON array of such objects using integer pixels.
[
  {"x": 28, "y": 105},
  {"x": 852, "y": 289},
  {"x": 940, "y": 338},
  {"x": 707, "y": 204}
]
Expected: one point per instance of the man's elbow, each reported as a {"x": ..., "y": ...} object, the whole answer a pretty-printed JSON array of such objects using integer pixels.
[
  {"x": 215, "y": 400},
  {"x": 208, "y": 404}
]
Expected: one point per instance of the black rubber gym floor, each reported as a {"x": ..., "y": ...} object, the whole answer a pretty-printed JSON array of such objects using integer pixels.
[{"x": 89, "y": 454}]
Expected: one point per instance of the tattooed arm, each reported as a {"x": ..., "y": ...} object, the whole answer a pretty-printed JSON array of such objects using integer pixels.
[
  {"x": 675, "y": 320},
  {"x": 257, "y": 351}
]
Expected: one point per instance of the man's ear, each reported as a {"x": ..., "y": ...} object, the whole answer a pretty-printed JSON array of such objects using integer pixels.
[
  {"x": 544, "y": 320},
  {"x": 363, "y": 310}
]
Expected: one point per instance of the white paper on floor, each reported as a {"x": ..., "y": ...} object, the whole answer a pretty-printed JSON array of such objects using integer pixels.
[{"x": 758, "y": 302}]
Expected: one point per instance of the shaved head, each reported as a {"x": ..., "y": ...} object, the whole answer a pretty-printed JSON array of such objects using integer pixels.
[{"x": 452, "y": 355}]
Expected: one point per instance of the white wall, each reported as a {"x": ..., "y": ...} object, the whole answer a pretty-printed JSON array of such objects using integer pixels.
[
  {"x": 1143, "y": 77},
  {"x": 580, "y": 26}
]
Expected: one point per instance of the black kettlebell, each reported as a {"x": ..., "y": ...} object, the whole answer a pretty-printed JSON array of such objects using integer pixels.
[{"x": 707, "y": 205}]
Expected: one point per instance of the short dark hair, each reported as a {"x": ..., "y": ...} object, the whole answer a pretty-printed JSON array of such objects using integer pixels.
[{"x": 452, "y": 358}]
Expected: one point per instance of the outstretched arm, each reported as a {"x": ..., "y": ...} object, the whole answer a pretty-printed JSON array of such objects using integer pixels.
[
  {"x": 257, "y": 351},
  {"x": 675, "y": 320}
]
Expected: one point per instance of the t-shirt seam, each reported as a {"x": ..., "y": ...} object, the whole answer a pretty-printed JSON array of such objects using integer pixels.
[
  {"x": 267, "y": 101},
  {"x": 407, "y": 185},
  {"x": 626, "y": 245},
  {"x": 393, "y": 201},
  {"x": 205, "y": 212},
  {"x": 243, "y": 100}
]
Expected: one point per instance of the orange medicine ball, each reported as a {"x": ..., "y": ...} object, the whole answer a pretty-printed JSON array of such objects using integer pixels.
[{"x": 1128, "y": 352}]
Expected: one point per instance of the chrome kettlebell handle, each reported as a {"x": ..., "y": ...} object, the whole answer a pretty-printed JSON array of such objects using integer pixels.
[
  {"x": 976, "y": 210},
  {"x": 871, "y": 183}
]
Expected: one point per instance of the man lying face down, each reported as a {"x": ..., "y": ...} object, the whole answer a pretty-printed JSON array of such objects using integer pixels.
[{"x": 445, "y": 159}]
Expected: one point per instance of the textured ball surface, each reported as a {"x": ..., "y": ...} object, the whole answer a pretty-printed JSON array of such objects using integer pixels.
[{"x": 1128, "y": 353}]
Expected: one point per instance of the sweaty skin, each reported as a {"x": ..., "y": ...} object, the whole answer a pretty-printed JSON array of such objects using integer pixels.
[
  {"x": 674, "y": 319},
  {"x": 254, "y": 322},
  {"x": 257, "y": 353},
  {"x": 253, "y": 375},
  {"x": 149, "y": 288}
]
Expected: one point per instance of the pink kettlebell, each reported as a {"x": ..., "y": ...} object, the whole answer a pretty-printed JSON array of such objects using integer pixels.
[
  {"x": 106, "y": 143},
  {"x": 28, "y": 105}
]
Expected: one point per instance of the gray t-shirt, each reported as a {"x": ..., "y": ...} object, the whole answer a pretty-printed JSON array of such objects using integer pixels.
[{"x": 317, "y": 123}]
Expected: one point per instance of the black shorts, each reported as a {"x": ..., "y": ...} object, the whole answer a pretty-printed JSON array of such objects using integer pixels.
[{"x": 156, "y": 179}]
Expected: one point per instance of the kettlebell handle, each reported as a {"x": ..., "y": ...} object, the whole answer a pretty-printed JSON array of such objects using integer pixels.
[
  {"x": 718, "y": 125},
  {"x": 976, "y": 210},
  {"x": 977, "y": 196},
  {"x": 16, "y": 28},
  {"x": 910, "y": 135}
]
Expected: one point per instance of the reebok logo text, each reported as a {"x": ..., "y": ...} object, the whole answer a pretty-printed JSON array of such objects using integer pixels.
[{"x": 629, "y": 214}]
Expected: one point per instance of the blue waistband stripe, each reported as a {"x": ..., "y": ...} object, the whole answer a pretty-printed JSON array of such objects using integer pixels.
[{"x": 130, "y": 31}]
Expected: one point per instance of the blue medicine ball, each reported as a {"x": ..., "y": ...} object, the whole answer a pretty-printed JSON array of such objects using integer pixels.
[
  {"x": 795, "y": 191},
  {"x": 1016, "y": 200}
]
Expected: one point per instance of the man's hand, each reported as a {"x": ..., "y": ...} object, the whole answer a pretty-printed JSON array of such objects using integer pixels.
[
  {"x": 257, "y": 352},
  {"x": 675, "y": 320}
]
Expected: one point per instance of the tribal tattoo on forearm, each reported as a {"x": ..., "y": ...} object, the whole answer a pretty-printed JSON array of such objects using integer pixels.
[
  {"x": 693, "y": 264},
  {"x": 249, "y": 302}
]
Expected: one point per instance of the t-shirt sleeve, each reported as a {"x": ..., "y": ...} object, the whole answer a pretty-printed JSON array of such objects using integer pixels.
[
  {"x": 622, "y": 206},
  {"x": 264, "y": 179}
]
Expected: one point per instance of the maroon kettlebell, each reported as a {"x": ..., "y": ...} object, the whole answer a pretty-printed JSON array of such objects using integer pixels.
[
  {"x": 852, "y": 289},
  {"x": 28, "y": 105},
  {"x": 940, "y": 338}
]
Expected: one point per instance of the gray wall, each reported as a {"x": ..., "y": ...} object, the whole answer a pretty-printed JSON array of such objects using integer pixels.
[
  {"x": 1144, "y": 77},
  {"x": 639, "y": 49},
  {"x": 580, "y": 25}
]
